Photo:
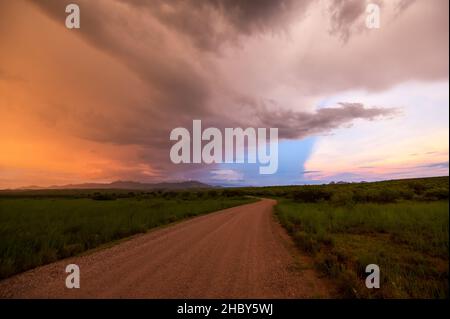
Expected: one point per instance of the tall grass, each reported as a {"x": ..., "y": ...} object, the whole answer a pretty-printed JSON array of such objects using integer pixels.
[
  {"x": 408, "y": 240},
  {"x": 36, "y": 231}
]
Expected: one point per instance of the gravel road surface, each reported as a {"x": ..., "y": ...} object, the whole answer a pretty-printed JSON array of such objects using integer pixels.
[{"x": 240, "y": 252}]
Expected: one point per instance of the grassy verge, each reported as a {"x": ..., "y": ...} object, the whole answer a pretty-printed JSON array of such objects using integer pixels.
[
  {"x": 37, "y": 231},
  {"x": 409, "y": 241}
]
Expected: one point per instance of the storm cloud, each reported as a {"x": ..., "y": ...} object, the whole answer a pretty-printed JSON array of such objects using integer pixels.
[
  {"x": 137, "y": 69},
  {"x": 294, "y": 125}
]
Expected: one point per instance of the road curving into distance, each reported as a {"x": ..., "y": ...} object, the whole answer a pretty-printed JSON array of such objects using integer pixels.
[{"x": 239, "y": 252}]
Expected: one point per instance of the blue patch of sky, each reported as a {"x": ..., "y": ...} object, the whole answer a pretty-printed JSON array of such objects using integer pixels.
[{"x": 292, "y": 156}]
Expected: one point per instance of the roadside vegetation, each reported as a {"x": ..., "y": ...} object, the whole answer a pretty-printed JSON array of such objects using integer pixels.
[
  {"x": 39, "y": 227},
  {"x": 402, "y": 226}
]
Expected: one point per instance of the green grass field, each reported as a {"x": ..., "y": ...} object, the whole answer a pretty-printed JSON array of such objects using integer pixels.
[
  {"x": 41, "y": 229},
  {"x": 400, "y": 225},
  {"x": 409, "y": 241}
]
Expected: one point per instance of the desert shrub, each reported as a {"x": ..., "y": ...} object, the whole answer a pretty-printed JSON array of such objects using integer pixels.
[
  {"x": 169, "y": 194},
  {"x": 185, "y": 195},
  {"x": 305, "y": 242},
  {"x": 213, "y": 194},
  {"x": 384, "y": 196},
  {"x": 417, "y": 187},
  {"x": 99, "y": 196},
  {"x": 341, "y": 198},
  {"x": 232, "y": 193},
  {"x": 200, "y": 194},
  {"x": 436, "y": 194},
  {"x": 311, "y": 195}
]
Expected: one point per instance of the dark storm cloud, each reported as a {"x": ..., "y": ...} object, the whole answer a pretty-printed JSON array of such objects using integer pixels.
[
  {"x": 180, "y": 81},
  {"x": 344, "y": 14},
  {"x": 403, "y": 5},
  {"x": 177, "y": 88},
  {"x": 198, "y": 19},
  {"x": 171, "y": 77},
  {"x": 293, "y": 124},
  {"x": 208, "y": 24},
  {"x": 348, "y": 16},
  {"x": 168, "y": 46}
]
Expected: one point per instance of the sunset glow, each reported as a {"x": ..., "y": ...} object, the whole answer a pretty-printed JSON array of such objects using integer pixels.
[{"x": 97, "y": 104}]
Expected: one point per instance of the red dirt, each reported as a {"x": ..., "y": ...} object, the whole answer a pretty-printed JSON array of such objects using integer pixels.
[{"x": 240, "y": 252}]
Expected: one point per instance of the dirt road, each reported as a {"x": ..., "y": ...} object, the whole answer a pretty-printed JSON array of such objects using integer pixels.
[{"x": 240, "y": 252}]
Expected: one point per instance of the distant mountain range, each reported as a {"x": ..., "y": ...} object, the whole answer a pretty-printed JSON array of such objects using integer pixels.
[{"x": 126, "y": 185}]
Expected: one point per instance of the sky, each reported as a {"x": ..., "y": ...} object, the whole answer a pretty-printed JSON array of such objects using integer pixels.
[{"x": 98, "y": 103}]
